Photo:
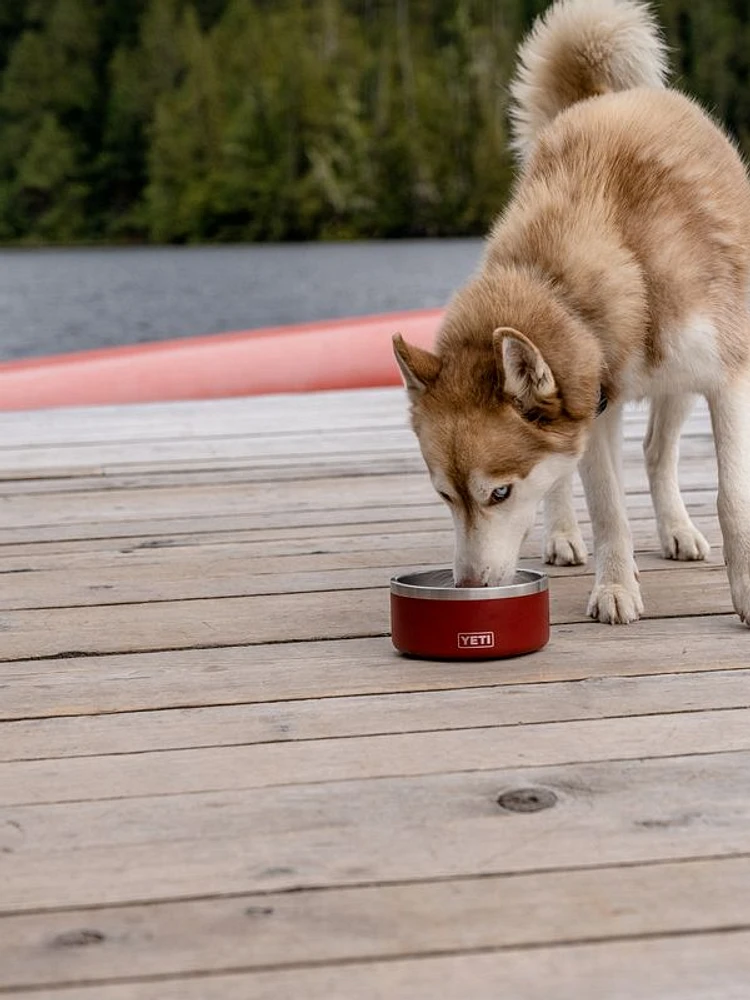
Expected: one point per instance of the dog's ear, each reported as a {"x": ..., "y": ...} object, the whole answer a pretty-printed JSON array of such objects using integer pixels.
[
  {"x": 526, "y": 376},
  {"x": 418, "y": 367}
]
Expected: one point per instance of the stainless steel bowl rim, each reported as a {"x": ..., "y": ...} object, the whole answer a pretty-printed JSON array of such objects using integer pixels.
[{"x": 437, "y": 585}]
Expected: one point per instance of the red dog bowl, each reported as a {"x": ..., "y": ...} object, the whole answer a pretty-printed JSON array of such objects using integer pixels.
[{"x": 431, "y": 618}]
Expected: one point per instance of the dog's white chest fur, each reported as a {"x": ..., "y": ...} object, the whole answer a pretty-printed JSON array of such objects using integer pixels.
[{"x": 692, "y": 363}]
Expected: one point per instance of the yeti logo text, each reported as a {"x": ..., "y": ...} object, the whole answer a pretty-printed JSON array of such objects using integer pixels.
[{"x": 470, "y": 640}]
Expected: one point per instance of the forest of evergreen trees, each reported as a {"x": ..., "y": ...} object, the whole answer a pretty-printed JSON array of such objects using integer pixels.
[{"x": 199, "y": 120}]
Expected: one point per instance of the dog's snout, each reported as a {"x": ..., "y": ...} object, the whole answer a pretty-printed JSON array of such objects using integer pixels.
[{"x": 470, "y": 581}]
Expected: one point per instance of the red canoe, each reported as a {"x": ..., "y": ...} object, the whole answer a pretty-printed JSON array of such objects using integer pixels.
[{"x": 339, "y": 354}]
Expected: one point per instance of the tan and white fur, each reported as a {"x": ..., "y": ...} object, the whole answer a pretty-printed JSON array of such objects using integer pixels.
[{"x": 621, "y": 266}]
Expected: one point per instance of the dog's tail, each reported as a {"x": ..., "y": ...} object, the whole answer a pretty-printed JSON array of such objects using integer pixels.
[{"x": 580, "y": 49}]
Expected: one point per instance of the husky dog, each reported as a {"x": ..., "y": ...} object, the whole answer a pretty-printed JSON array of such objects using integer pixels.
[{"x": 619, "y": 270}]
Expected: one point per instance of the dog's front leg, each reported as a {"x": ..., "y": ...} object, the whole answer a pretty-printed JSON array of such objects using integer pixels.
[
  {"x": 730, "y": 416},
  {"x": 616, "y": 597},
  {"x": 563, "y": 542}
]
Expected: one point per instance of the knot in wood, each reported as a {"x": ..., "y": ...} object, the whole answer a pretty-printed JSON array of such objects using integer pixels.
[
  {"x": 78, "y": 939},
  {"x": 527, "y": 800}
]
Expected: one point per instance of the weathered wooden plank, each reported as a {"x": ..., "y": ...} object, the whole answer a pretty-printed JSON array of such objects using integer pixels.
[
  {"x": 178, "y": 574},
  {"x": 174, "y": 772},
  {"x": 509, "y": 705},
  {"x": 408, "y": 538},
  {"x": 221, "y": 571},
  {"x": 108, "y": 505},
  {"x": 395, "y": 492},
  {"x": 299, "y": 541},
  {"x": 278, "y": 520},
  {"x": 379, "y": 922},
  {"x": 188, "y": 678},
  {"x": 264, "y": 450},
  {"x": 365, "y": 832},
  {"x": 281, "y": 617},
  {"x": 251, "y": 474},
  {"x": 362, "y": 408},
  {"x": 196, "y": 468},
  {"x": 31, "y": 477},
  {"x": 85, "y": 478},
  {"x": 205, "y": 418},
  {"x": 200, "y": 517},
  {"x": 691, "y": 967}
]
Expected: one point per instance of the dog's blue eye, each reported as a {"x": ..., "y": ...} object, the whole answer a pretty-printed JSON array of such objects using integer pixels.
[{"x": 501, "y": 494}]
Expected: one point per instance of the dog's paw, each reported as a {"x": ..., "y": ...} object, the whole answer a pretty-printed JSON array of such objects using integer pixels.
[
  {"x": 616, "y": 603},
  {"x": 683, "y": 541},
  {"x": 565, "y": 548}
]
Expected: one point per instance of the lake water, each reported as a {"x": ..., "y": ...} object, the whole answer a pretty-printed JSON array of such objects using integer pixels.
[{"x": 56, "y": 301}]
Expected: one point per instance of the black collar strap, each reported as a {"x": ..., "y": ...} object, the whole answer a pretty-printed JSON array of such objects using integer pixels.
[{"x": 602, "y": 402}]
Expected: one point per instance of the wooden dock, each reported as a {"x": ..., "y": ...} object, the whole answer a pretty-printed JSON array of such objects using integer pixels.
[{"x": 219, "y": 782}]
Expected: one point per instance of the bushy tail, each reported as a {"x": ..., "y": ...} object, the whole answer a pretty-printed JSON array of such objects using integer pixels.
[{"x": 580, "y": 49}]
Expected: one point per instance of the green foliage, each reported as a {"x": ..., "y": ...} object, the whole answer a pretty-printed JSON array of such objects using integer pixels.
[{"x": 196, "y": 120}]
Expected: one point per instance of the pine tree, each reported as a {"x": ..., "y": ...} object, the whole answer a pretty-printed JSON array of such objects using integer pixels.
[{"x": 187, "y": 120}]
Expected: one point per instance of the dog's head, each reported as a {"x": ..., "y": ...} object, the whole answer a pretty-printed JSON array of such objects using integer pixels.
[{"x": 496, "y": 435}]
